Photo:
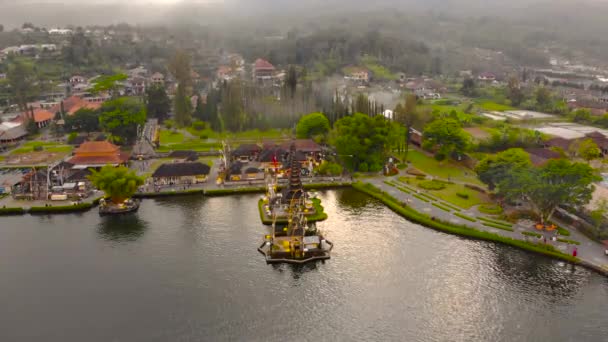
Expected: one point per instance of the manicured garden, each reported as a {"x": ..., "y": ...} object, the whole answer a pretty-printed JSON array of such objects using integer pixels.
[
  {"x": 445, "y": 169},
  {"x": 456, "y": 194},
  {"x": 35, "y": 146}
]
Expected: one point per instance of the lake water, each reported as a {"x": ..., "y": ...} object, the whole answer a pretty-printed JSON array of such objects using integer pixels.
[{"x": 187, "y": 269}]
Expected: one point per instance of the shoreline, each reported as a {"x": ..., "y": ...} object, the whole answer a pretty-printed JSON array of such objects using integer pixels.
[{"x": 386, "y": 199}]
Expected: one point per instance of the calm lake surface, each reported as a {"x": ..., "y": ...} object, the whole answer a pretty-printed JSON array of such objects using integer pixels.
[{"x": 187, "y": 269}]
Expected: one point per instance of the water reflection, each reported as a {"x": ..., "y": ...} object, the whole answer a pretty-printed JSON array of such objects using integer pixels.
[
  {"x": 122, "y": 228},
  {"x": 352, "y": 200}
]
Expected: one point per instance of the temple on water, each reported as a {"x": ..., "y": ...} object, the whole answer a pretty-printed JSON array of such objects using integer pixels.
[{"x": 298, "y": 241}]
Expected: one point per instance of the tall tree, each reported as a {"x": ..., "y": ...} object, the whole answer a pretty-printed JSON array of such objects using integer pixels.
[
  {"x": 313, "y": 125},
  {"x": 233, "y": 112},
  {"x": 84, "y": 120},
  {"x": 120, "y": 117},
  {"x": 543, "y": 98},
  {"x": 588, "y": 150},
  {"x": 291, "y": 81},
  {"x": 514, "y": 91},
  {"x": 118, "y": 183},
  {"x": 447, "y": 135},
  {"x": 495, "y": 168},
  {"x": 468, "y": 87},
  {"x": 180, "y": 68},
  {"x": 21, "y": 78},
  {"x": 407, "y": 116},
  {"x": 362, "y": 104},
  {"x": 558, "y": 182},
  {"x": 158, "y": 104}
]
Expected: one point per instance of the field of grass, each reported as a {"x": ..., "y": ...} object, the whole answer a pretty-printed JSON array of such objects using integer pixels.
[
  {"x": 379, "y": 71},
  {"x": 443, "y": 170},
  {"x": 492, "y": 106},
  {"x": 449, "y": 193},
  {"x": 170, "y": 137},
  {"x": 191, "y": 145},
  {"x": 46, "y": 147}
]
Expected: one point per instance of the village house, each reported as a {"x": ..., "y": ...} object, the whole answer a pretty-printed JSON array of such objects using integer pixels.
[
  {"x": 263, "y": 70},
  {"x": 77, "y": 79},
  {"x": 486, "y": 77},
  {"x": 357, "y": 75},
  {"x": 426, "y": 88},
  {"x": 181, "y": 173},
  {"x": 307, "y": 146},
  {"x": 40, "y": 116},
  {"x": 246, "y": 152},
  {"x": 11, "y": 132},
  {"x": 98, "y": 154},
  {"x": 157, "y": 79},
  {"x": 73, "y": 104}
]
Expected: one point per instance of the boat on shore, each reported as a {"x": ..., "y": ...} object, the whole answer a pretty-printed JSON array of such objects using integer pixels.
[{"x": 109, "y": 208}]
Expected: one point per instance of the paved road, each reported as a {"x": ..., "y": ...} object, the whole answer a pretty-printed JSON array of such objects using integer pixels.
[{"x": 589, "y": 250}]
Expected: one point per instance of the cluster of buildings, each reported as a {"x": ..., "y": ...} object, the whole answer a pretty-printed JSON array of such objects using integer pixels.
[
  {"x": 250, "y": 162},
  {"x": 30, "y": 50}
]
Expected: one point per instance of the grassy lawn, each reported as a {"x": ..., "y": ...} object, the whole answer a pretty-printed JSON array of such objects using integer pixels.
[
  {"x": 170, "y": 137},
  {"x": 444, "y": 169},
  {"x": 46, "y": 147},
  {"x": 449, "y": 194},
  {"x": 492, "y": 106},
  {"x": 191, "y": 145}
]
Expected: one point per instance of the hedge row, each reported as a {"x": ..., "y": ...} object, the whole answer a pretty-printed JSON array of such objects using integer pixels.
[
  {"x": 485, "y": 219},
  {"x": 441, "y": 207},
  {"x": 12, "y": 211},
  {"x": 490, "y": 209},
  {"x": 421, "y": 198},
  {"x": 453, "y": 207},
  {"x": 468, "y": 218},
  {"x": 224, "y": 192},
  {"x": 61, "y": 209},
  {"x": 462, "y": 230},
  {"x": 537, "y": 235},
  {"x": 499, "y": 226},
  {"x": 572, "y": 242}
]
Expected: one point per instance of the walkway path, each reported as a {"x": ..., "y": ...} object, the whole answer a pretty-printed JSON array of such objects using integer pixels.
[{"x": 589, "y": 251}]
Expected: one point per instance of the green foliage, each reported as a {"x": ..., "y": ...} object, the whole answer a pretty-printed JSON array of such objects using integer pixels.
[
  {"x": 490, "y": 209},
  {"x": 108, "y": 83},
  {"x": 84, "y": 120},
  {"x": 432, "y": 185},
  {"x": 468, "y": 87},
  {"x": 463, "y": 195},
  {"x": 118, "y": 183},
  {"x": 21, "y": 78},
  {"x": 498, "y": 226},
  {"x": 572, "y": 242},
  {"x": 588, "y": 150},
  {"x": 120, "y": 117},
  {"x": 581, "y": 115},
  {"x": 494, "y": 168},
  {"x": 61, "y": 209},
  {"x": 32, "y": 127},
  {"x": 362, "y": 141},
  {"x": 158, "y": 104},
  {"x": 330, "y": 169},
  {"x": 465, "y": 217},
  {"x": 447, "y": 135},
  {"x": 11, "y": 211},
  {"x": 199, "y": 125},
  {"x": 536, "y": 235},
  {"x": 312, "y": 125},
  {"x": 558, "y": 182},
  {"x": 441, "y": 207},
  {"x": 72, "y": 136}
]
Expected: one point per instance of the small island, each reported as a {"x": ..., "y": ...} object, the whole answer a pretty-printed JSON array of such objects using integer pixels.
[{"x": 119, "y": 184}]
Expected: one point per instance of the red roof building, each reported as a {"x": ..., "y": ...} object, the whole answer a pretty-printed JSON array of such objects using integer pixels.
[
  {"x": 262, "y": 69},
  {"x": 96, "y": 154},
  {"x": 74, "y": 103}
]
